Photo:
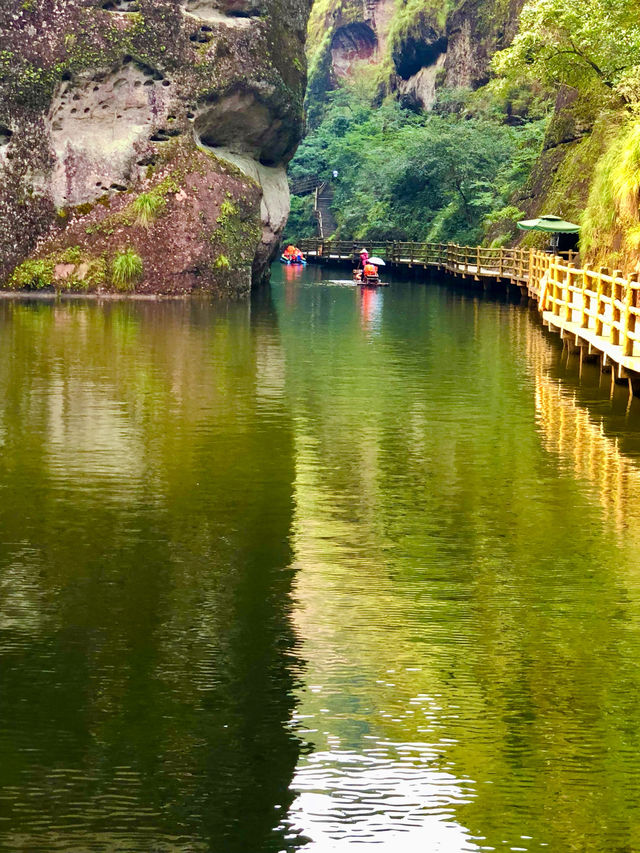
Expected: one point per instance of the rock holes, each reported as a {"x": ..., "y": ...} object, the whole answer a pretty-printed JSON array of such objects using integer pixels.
[
  {"x": 164, "y": 134},
  {"x": 202, "y": 36},
  {"x": 101, "y": 124},
  {"x": 242, "y": 124},
  {"x": 416, "y": 52},
  {"x": 5, "y": 137},
  {"x": 125, "y": 6}
]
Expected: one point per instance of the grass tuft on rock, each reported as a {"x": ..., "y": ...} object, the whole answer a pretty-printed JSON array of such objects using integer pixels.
[
  {"x": 126, "y": 270},
  {"x": 147, "y": 207}
]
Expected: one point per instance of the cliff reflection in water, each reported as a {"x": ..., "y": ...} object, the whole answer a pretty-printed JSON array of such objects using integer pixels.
[
  {"x": 146, "y": 652},
  {"x": 413, "y": 494}
]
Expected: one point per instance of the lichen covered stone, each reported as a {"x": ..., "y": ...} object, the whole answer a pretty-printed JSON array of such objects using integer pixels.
[{"x": 191, "y": 107}]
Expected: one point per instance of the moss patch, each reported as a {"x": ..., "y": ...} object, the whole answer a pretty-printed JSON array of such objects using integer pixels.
[{"x": 236, "y": 235}]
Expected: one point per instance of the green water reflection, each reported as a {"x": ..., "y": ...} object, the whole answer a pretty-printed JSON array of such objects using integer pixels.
[
  {"x": 467, "y": 578},
  {"x": 336, "y": 569},
  {"x": 146, "y": 651}
]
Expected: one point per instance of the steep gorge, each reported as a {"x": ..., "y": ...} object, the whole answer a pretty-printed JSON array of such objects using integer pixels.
[{"x": 578, "y": 66}]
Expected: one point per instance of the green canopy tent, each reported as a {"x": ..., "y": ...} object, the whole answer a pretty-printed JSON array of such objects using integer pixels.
[{"x": 553, "y": 225}]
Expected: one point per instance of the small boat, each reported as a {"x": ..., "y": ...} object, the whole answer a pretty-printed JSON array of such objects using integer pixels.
[{"x": 293, "y": 261}]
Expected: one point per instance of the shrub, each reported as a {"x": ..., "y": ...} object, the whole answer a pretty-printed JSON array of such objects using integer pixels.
[{"x": 32, "y": 275}]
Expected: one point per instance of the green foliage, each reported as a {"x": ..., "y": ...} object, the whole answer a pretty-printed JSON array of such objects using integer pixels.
[
  {"x": 126, "y": 269},
  {"x": 578, "y": 44},
  {"x": 227, "y": 210},
  {"x": 96, "y": 275},
  {"x": 71, "y": 255},
  {"x": 403, "y": 176},
  {"x": 222, "y": 262},
  {"x": 302, "y": 222},
  {"x": 413, "y": 17},
  {"x": 147, "y": 207},
  {"x": 87, "y": 273},
  {"x": 32, "y": 275},
  {"x": 612, "y": 215}
]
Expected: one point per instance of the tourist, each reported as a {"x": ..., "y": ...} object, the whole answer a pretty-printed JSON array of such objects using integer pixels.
[{"x": 360, "y": 264}]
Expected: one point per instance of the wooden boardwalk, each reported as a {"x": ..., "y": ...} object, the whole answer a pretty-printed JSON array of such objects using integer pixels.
[{"x": 596, "y": 311}]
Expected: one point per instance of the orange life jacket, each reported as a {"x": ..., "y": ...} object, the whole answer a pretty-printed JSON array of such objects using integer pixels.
[{"x": 370, "y": 269}]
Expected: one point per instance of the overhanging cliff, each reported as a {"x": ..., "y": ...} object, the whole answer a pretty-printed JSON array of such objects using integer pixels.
[{"x": 144, "y": 143}]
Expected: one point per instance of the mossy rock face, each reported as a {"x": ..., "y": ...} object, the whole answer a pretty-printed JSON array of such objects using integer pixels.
[
  {"x": 100, "y": 103},
  {"x": 416, "y": 46},
  {"x": 578, "y": 135}
]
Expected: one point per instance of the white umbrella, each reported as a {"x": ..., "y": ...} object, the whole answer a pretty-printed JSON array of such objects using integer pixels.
[{"x": 377, "y": 261}]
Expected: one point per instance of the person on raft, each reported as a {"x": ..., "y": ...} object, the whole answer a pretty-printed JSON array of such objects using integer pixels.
[
  {"x": 361, "y": 263},
  {"x": 370, "y": 271},
  {"x": 293, "y": 254}
]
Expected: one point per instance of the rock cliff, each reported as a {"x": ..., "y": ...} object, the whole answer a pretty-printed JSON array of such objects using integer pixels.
[
  {"x": 417, "y": 46},
  {"x": 144, "y": 143},
  {"x": 440, "y": 54}
]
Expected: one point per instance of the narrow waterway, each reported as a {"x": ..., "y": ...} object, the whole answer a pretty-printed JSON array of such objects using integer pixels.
[{"x": 337, "y": 569}]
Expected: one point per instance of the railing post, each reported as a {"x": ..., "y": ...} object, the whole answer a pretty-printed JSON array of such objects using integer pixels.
[
  {"x": 555, "y": 307},
  {"x": 584, "y": 317},
  {"x": 531, "y": 268},
  {"x": 599, "y": 321},
  {"x": 614, "y": 330},
  {"x": 568, "y": 297},
  {"x": 628, "y": 323}
]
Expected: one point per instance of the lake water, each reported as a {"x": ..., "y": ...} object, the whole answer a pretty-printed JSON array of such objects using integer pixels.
[{"x": 335, "y": 570}]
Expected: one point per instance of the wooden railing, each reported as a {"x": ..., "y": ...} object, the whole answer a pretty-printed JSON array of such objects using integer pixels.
[
  {"x": 304, "y": 186},
  {"x": 600, "y": 309},
  {"x": 477, "y": 261}
]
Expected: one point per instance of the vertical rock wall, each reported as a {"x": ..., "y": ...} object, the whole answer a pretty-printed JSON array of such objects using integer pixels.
[
  {"x": 435, "y": 43},
  {"x": 154, "y": 129}
]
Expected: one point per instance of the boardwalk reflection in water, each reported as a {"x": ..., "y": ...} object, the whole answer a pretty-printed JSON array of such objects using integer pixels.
[
  {"x": 581, "y": 442},
  {"x": 463, "y": 602},
  {"x": 335, "y": 574}
]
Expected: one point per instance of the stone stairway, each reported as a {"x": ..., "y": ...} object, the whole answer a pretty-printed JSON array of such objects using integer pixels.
[{"x": 326, "y": 221}]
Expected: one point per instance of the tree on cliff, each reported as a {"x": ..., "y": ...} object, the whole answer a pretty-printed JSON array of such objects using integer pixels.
[{"x": 576, "y": 44}]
